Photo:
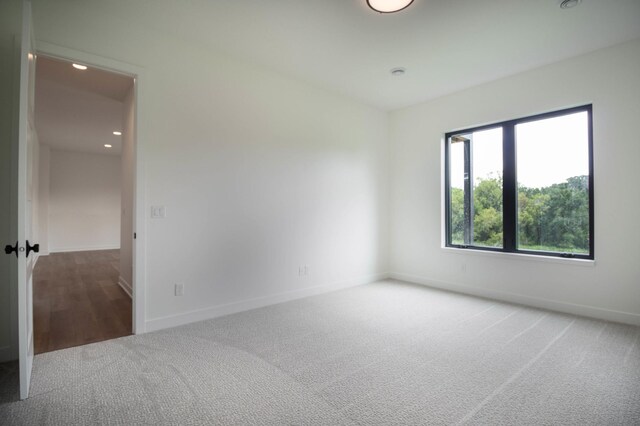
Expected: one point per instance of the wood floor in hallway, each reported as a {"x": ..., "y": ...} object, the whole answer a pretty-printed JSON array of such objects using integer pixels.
[{"x": 77, "y": 300}]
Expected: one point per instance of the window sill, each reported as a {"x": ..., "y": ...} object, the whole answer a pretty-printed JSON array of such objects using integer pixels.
[{"x": 521, "y": 256}]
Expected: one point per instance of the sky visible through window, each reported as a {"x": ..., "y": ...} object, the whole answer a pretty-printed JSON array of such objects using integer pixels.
[{"x": 548, "y": 152}]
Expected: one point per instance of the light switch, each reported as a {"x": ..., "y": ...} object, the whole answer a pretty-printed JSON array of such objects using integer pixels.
[{"x": 158, "y": 212}]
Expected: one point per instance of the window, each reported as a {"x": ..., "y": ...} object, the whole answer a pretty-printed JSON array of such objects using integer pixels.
[{"x": 522, "y": 186}]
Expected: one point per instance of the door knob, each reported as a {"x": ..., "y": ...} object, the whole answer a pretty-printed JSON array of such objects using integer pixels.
[
  {"x": 8, "y": 249},
  {"x": 34, "y": 248}
]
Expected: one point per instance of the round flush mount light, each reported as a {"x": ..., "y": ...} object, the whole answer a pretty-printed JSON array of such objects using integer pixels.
[
  {"x": 117, "y": 133},
  {"x": 388, "y": 6},
  {"x": 80, "y": 67},
  {"x": 106, "y": 145},
  {"x": 568, "y": 4},
  {"x": 398, "y": 71}
]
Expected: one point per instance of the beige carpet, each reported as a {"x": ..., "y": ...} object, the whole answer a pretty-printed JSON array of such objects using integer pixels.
[{"x": 380, "y": 354}]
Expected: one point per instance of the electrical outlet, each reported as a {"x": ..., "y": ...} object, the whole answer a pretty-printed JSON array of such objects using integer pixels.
[
  {"x": 179, "y": 290},
  {"x": 158, "y": 212},
  {"x": 304, "y": 270}
]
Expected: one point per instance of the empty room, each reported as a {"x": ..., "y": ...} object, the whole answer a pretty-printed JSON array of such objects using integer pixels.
[{"x": 358, "y": 212}]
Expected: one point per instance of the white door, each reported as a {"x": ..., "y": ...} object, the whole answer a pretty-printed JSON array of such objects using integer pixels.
[{"x": 26, "y": 257}]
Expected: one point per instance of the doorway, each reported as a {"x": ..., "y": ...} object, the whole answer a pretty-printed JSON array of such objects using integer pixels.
[{"x": 84, "y": 206}]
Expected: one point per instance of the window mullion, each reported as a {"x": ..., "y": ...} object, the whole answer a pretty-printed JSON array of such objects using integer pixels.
[
  {"x": 468, "y": 192},
  {"x": 509, "y": 188}
]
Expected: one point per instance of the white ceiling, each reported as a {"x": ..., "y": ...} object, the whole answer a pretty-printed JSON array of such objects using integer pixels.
[
  {"x": 79, "y": 110},
  {"x": 342, "y": 45}
]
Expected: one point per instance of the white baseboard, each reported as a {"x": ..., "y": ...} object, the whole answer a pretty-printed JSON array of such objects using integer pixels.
[
  {"x": 552, "y": 305},
  {"x": 125, "y": 286},
  {"x": 8, "y": 353},
  {"x": 245, "y": 305},
  {"x": 67, "y": 250}
]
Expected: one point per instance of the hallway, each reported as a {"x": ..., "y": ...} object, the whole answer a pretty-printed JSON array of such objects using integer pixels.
[{"x": 77, "y": 300}]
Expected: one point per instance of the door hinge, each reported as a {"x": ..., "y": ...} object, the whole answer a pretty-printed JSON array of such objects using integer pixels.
[{"x": 134, "y": 235}]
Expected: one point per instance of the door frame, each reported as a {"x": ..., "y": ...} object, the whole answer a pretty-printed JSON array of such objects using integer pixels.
[{"x": 139, "y": 218}]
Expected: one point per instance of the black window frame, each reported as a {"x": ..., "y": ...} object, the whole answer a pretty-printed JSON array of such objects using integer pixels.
[{"x": 510, "y": 190}]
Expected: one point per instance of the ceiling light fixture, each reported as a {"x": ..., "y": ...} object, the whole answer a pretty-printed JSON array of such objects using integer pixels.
[
  {"x": 568, "y": 4},
  {"x": 80, "y": 67},
  {"x": 117, "y": 133},
  {"x": 397, "y": 72},
  {"x": 106, "y": 145},
  {"x": 388, "y": 6}
]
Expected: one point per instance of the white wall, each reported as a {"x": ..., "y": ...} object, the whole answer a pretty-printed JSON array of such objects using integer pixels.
[
  {"x": 610, "y": 79},
  {"x": 259, "y": 173},
  {"x": 84, "y": 201},
  {"x": 127, "y": 166}
]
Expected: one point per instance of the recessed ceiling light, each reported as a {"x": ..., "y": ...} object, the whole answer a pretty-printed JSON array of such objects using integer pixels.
[
  {"x": 117, "y": 133},
  {"x": 388, "y": 6},
  {"x": 568, "y": 4},
  {"x": 80, "y": 67},
  {"x": 106, "y": 145},
  {"x": 397, "y": 72}
]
